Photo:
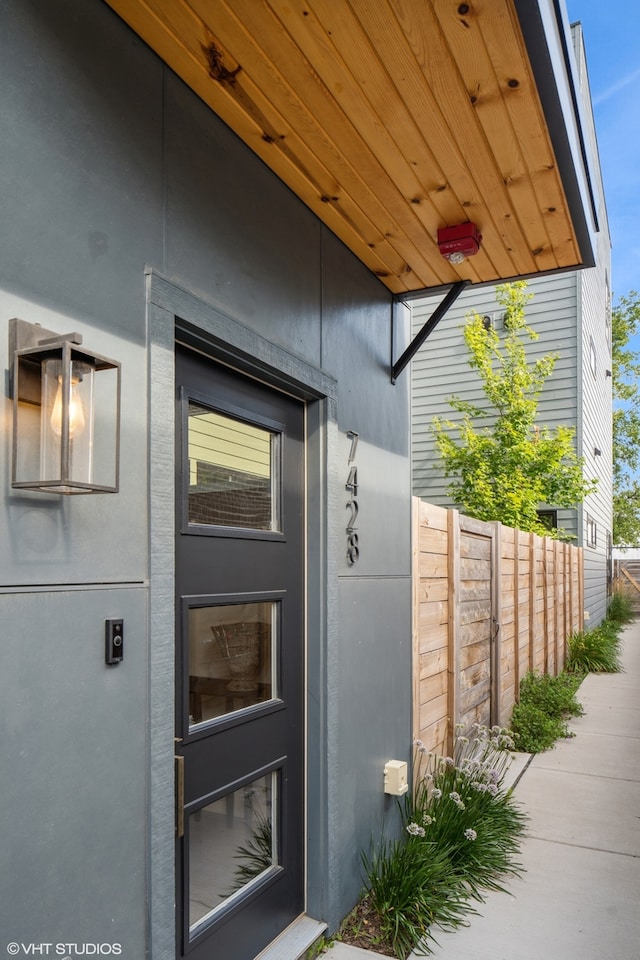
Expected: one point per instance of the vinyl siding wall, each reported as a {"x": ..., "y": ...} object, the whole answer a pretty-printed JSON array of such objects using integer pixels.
[
  {"x": 595, "y": 394},
  {"x": 566, "y": 312},
  {"x": 441, "y": 370},
  {"x": 596, "y": 436}
]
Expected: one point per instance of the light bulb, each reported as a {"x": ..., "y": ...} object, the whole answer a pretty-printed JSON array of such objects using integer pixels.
[{"x": 76, "y": 411}]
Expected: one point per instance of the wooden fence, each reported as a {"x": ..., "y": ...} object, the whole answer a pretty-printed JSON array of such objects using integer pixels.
[{"x": 490, "y": 603}]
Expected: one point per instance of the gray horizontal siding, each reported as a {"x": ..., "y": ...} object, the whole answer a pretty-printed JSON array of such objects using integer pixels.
[
  {"x": 595, "y": 588},
  {"x": 440, "y": 370},
  {"x": 595, "y": 426},
  {"x": 594, "y": 304}
]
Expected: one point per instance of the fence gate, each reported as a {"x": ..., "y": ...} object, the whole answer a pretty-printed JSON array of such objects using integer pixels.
[
  {"x": 490, "y": 603},
  {"x": 473, "y": 625}
]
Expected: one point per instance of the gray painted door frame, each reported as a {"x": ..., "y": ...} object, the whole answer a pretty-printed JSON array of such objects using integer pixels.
[{"x": 175, "y": 313}]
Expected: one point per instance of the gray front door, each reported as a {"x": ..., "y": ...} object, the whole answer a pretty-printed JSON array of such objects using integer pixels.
[{"x": 240, "y": 661}]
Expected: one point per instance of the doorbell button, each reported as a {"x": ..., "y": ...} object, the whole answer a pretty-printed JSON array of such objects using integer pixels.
[{"x": 113, "y": 640}]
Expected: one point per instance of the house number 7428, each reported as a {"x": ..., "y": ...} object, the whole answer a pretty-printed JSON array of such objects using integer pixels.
[{"x": 353, "y": 551}]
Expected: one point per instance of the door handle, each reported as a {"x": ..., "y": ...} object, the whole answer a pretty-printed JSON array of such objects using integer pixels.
[{"x": 179, "y": 795}]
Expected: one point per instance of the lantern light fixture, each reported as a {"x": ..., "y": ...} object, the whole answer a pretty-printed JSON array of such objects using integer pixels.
[{"x": 66, "y": 413}]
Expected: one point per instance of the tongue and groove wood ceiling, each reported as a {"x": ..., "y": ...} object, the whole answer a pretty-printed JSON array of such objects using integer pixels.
[{"x": 388, "y": 118}]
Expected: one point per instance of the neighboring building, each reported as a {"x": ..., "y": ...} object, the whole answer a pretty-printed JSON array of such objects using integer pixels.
[
  {"x": 230, "y": 200},
  {"x": 571, "y": 313}
]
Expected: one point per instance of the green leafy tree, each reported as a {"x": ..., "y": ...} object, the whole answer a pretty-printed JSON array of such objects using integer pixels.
[
  {"x": 502, "y": 464},
  {"x": 625, "y": 324}
]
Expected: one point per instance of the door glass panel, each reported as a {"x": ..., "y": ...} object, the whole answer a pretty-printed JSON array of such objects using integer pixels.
[
  {"x": 233, "y": 471},
  {"x": 231, "y": 658},
  {"x": 232, "y": 844}
]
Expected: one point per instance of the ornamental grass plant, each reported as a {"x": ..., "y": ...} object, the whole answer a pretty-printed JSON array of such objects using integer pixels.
[
  {"x": 595, "y": 651},
  {"x": 463, "y": 806},
  {"x": 461, "y": 837},
  {"x": 411, "y": 888},
  {"x": 598, "y": 650},
  {"x": 620, "y": 609}
]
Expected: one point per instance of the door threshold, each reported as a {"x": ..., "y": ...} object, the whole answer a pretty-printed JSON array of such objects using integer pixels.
[{"x": 295, "y": 940}]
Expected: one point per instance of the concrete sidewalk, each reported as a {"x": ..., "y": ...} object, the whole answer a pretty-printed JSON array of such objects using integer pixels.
[{"x": 580, "y": 896}]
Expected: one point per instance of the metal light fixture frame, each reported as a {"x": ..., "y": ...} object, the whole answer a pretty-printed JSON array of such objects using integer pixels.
[{"x": 31, "y": 346}]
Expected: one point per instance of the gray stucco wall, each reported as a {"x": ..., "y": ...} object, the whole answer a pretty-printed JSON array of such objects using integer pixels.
[{"x": 108, "y": 165}]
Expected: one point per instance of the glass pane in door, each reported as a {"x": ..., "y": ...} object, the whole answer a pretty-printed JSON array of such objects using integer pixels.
[
  {"x": 231, "y": 658},
  {"x": 233, "y": 471},
  {"x": 232, "y": 844}
]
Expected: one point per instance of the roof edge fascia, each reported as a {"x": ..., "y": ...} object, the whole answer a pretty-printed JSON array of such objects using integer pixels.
[{"x": 545, "y": 28}]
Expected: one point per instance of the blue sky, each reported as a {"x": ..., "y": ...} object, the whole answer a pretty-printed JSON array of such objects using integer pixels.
[{"x": 612, "y": 40}]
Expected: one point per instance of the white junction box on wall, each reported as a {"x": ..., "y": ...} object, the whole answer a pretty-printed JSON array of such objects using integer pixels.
[{"x": 395, "y": 778}]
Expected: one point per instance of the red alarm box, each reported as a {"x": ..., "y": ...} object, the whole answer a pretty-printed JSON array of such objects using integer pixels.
[{"x": 456, "y": 243}]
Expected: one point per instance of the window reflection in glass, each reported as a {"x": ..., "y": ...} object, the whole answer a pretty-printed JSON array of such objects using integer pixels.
[
  {"x": 232, "y": 471},
  {"x": 232, "y": 844}
]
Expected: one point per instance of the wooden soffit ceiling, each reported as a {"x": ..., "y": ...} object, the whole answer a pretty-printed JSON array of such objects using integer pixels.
[{"x": 389, "y": 119}]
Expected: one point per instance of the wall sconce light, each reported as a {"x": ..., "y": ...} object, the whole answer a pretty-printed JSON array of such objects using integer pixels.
[
  {"x": 607, "y": 373},
  {"x": 597, "y": 452},
  {"x": 457, "y": 243},
  {"x": 66, "y": 413}
]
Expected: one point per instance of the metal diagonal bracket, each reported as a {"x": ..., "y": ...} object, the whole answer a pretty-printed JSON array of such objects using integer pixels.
[{"x": 429, "y": 326}]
